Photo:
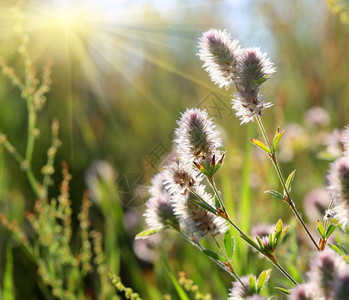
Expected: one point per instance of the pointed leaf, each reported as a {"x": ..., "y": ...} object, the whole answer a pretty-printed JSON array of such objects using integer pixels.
[
  {"x": 335, "y": 248},
  {"x": 250, "y": 242},
  {"x": 289, "y": 180},
  {"x": 205, "y": 205},
  {"x": 228, "y": 244},
  {"x": 148, "y": 232},
  {"x": 216, "y": 202},
  {"x": 329, "y": 230},
  {"x": 275, "y": 194},
  {"x": 283, "y": 290},
  {"x": 262, "y": 279},
  {"x": 260, "y": 242},
  {"x": 279, "y": 225},
  {"x": 214, "y": 255},
  {"x": 320, "y": 229},
  {"x": 260, "y": 145},
  {"x": 253, "y": 284},
  {"x": 277, "y": 137}
]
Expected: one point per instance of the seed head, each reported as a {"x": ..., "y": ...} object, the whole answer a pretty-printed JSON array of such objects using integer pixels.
[
  {"x": 338, "y": 179},
  {"x": 219, "y": 54},
  {"x": 196, "y": 137}
]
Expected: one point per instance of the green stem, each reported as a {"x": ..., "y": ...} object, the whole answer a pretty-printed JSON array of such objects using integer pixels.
[
  {"x": 213, "y": 186},
  {"x": 230, "y": 265},
  {"x": 283, "y": 271},
  {"x": 278, "y": 171},
  {"x": 31, "y": 128}
]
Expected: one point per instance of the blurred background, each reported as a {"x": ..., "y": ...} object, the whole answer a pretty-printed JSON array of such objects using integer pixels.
[{"x": 122, "y": 73}]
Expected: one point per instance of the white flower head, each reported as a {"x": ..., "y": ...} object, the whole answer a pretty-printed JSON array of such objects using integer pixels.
[
  {"x": 345, "y": 140},
  {"x": 198, "y": 221},
  {"x": 180, "y": 177},
  {"x": 219, "y": 54},
  {"x": 196, "y": 137},
  {"x": 160, "y": 212},
  {"x": 238, "y": 292},
  {"x": 338, "y": 187}
]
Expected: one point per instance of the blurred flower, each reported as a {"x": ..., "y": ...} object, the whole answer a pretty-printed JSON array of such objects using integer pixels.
[
  {"x": 262, "y": 230},
  {"x": 131, "y": 220},
  {"x": 238, "y": 292},
  {"x": 317, "y": 117},
  {"x": 253, "y": 69},
  {"x": 181, "y": 177},
  {"x": 99, "y": 177},
  {"x": 255, "y": 297},
  {"x": 341, "y": 286},
  {"x": 196, "y": 137},
  {"x": 324, "y": 271},
  {"x": 335, "y": 143},
  {"x": 197, "y": 220},
  {"x": 345, "y": 140},
  {"x": 160, "y": 211},
  {"x": 294, "y": 139},
  {"x": 301, "y": 292},
  {"x": 219, "y": 55},
  {"x": 315, "y": 203},
  {"x": 338, "y": 186},
  {"x": 145, "y": 248}
]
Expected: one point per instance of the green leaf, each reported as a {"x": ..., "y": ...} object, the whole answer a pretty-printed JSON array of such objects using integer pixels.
[
  {"x": 260, "y": 145},
  {"x": 250, "y": 241},
  {"x": 148, "y": 232},
  {"x": 277, "y": 137},
  {"x": 260, "y": 242},
  {"x": 329, "y": 230},
  {"x": 262, "y": 279},
  {"x": 214, "y": 255},
  {"x": 289, "y": 180},
  {"x": 228, "y": 244},
  {"x": 253, "y": 284},
  {"x": 283, "y": 290},
  {"x": 205, "y": 205},
  {"x": 275, "y": 194},
  {"x": 279, "y": 225},
  {"x": 320, "y": 229},
  {"x": 335, "y": 248}
]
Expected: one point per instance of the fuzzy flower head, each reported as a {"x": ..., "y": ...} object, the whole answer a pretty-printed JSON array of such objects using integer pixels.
[
  {"x": 160, "y": 212},
  {"x": 253, "y": 68},
  {"x": 219, "y": 54},
  {"x": 180, "y": 177},
  {"x": 345, "y": 140},
  {"x": 198, "y": 221},
  {"x": 338, "y": 179},
  {"x": 341, "y": 287},
  {"x": 196, "y": 137},
  {"x": 158, "y": 186},
  {"x": 100, "y": 177},
  {"x": 238, "y": 292},
  {"x": 301, "y": 292},
  {"x": 324, "y": 271}
]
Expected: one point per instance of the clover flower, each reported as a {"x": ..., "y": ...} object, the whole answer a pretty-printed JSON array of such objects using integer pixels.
[
  {"x": 219, "y": 54},
  {"x": 324, "y": 271},
  {"x": 99, "y": 176},
  {"x": 180, "y": 177},
  {"x": 196, "y": 137},
  {"x": 345, "y": 140},
  {"x": 341, "y": 286},
  {"x": 252, "y": 70},
  {"x": 160, "y": 211},
  {"x": 338, "y": 179},
  {"x": 238, "y": 292},
  {"x": 198, "y": 221},
  {"x": 301, "y": 292}
]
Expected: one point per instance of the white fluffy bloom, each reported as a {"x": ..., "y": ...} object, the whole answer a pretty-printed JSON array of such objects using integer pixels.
[
  {"x": 180, "y": 177},
  {"x": 252, "y": 70},
  {"x": 197, "y": 220},
  {"x": 196, "y": 137},
  {"x": 238, "y": 292},
  {"x": 338, "y": 179},
  {"x": 219, "y": 54},
  {"x": 345, "y": 140}
]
